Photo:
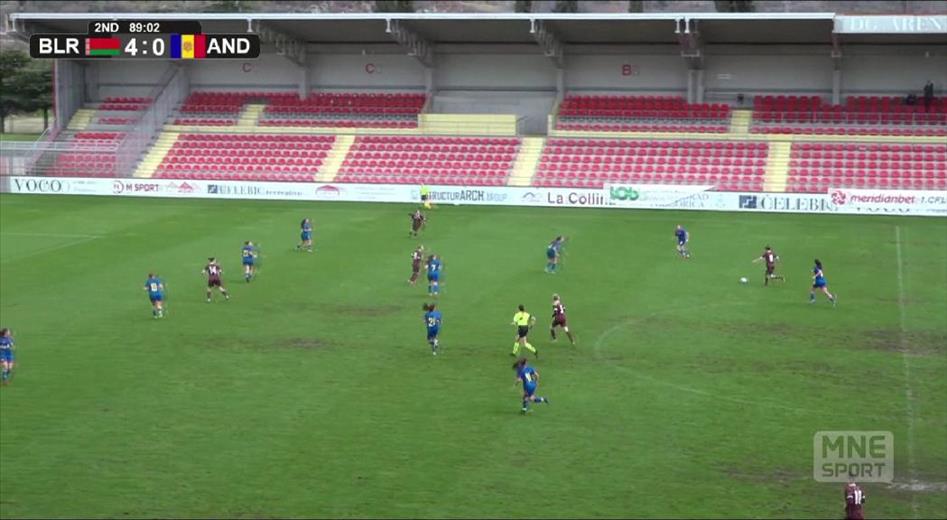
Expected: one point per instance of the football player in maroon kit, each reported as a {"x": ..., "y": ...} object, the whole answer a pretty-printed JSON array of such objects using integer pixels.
[
  {"x": 559, "y": 319},
  {"x": 770, "y": 258},
  {"x": 854, "y": 501},
  {"x": 417, "y": 256},
  {"x": 418, "y": 220},
  {"x": 214, "y": 273}
]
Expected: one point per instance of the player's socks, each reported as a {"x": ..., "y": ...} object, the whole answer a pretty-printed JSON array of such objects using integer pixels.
[
  {"x": 516, "y": 348},
  {"x": 530, "y": 348},
  {"x": 811, "y": 297},
  {"x": 552, "y": 332},
  {"x": 525, "y": 405}
]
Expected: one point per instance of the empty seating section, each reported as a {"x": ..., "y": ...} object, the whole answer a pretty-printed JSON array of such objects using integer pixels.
[
  {"x": 590, "y": 163},
  {"x": 860, "y": 115},
  {"x": 90, "y": 154},
  {"x": 431, "y": 160},
  {"x": 220, "y": 108},
  {"x": 246, "y": 157},
  {"x": 119, "y": 121},
  {"x": 815, "y": 167},
  {"x": 327, "y": 109},
  {"x": 641, "y": 114},
  {"x": 347, "y": 110},
  {"x": 124, "y": 104}
]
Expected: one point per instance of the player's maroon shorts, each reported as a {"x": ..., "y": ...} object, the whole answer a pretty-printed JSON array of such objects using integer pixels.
[
  {"x": 559, "y": 321},
  {"x": 415, "y": 268},
  {"x": 213, "y": 282},
  {"x": 416, "y": 224},
  {"x": 770, "y": 268}
]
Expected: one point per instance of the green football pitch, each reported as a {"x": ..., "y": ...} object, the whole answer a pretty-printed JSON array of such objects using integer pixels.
[{"x": 312, "y": 392}]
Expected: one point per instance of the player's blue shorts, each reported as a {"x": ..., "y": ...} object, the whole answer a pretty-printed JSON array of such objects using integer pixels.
[
  {"x": 432, "y": 332},
  {"x": 529, "y": 389},
  {"x": 248, "y": 261},
  {"x": 306, "y": 235},
  {"x": 6, "y": 355},
  {"x": 155, "y": 297},
  {"x": 550, "y": 253},
  {"x": 820, "y": 283},
  {"x": 434, "y": 277},
  {"x": 681, "y": 242}
]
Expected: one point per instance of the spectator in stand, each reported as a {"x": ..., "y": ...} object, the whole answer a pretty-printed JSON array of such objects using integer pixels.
[
  {"x": 910, "y": 100},
  {"x": 928, "y": 95}
]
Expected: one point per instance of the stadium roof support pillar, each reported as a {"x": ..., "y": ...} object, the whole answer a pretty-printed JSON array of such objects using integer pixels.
[
  {"x": 429, "y": 81},
  {"x": 417, "y": 47},
  {"x": 836, "y": 70},
  {"x": 305, "y": 80},
  {"x": 290, "y": 48},
  {"x": 550, "y": 43},
  {"x": 560, "y": 84},
  {"x": 692, "y": 51}
]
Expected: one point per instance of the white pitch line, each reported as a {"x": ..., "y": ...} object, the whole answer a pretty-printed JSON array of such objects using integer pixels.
[
  {"x": 684, "y": 388},
  {"x": 908, "y": 394},
  {"x": 49, "y": 249},
  {"x": 49, "y": 235}
]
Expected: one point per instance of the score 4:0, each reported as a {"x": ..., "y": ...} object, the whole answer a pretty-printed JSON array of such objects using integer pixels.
[{"x": 157, "y": 47}]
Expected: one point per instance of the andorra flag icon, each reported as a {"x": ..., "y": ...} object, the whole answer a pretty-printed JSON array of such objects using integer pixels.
[{"x": 188, "y": 46}]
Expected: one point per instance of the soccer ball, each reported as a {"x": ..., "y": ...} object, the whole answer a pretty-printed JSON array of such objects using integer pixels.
[{"x": 743, "y": 280}]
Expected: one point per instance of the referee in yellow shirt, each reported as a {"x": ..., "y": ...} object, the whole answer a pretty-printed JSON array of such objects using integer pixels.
[{"x": 523, "y": 321}]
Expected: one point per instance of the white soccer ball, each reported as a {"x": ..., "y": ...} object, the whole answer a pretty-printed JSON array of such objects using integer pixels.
[{"x": 743, "y": 280}]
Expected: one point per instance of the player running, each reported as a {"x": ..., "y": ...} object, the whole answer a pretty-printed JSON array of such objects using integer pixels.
[
  {"x": 770, "y": 258},
  {"x": 854, "y": 501},
  {"x": 248, "y": 255},
  {"x": 6, "y": 355},
  {"x": 559, "y": 319},
  {"x": 553, "y": 254},
  {"x": 432, "y": 320},
  {"x": 524, "y": 321},
  {"x": 683, "y": 237},
  {"x": 305, "y": 235},
  {"x": 434, "y": 268},
  {"x": 416, "y": 257},
  {"x": 155, "y": 288},
  {"x": 530, "y": 378},
  {"x": 418, "y": 220},
  {"x": 819, "y": 282},
  {"x": 214, "y": 271}
]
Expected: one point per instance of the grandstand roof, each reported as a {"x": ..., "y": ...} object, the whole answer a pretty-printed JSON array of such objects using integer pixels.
[{"x": 582, "y": 28}]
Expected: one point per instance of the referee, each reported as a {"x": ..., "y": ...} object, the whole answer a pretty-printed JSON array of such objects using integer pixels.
[
  {"x": 523, "y": 321},
  {"x": 425, "y": 196}
]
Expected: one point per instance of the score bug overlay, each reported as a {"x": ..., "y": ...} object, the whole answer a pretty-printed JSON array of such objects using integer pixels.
[{"x": 172, "y": 46}]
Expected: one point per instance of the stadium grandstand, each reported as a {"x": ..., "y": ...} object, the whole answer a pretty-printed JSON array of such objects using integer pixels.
[{"x": 737, "y": 101}]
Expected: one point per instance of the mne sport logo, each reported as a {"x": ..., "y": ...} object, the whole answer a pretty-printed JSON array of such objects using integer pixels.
[{"x": 866, "y": 456}]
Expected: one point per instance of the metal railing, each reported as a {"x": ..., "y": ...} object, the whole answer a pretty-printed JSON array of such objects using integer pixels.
[{"x": 166, "y": 95}]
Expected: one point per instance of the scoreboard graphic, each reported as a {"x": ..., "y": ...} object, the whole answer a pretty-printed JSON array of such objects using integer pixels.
[{"x": 137, "y": 40}]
